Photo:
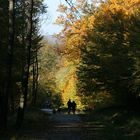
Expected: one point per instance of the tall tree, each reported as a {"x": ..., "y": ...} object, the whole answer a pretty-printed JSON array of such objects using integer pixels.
[
  {"x": 27, "y": 65},
  {"x": 104, "y": 39},
  {"x": 8, "y": 78},
  {"x": 107, "y": 62}
]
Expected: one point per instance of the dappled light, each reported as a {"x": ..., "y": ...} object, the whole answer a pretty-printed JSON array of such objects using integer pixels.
[{"x": 82, "y": 83}]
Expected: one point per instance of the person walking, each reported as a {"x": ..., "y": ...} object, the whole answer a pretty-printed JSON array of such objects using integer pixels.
[
  {"x": 73, "y": 107},
  {"x": 69, "y": 104}
]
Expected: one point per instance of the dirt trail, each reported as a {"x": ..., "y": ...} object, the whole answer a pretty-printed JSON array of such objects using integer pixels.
[
  {"x": 66, "y": 127},
  {"x": 71, "y": 127}
]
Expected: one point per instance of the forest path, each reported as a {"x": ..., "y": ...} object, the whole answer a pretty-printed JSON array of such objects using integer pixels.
[
  {"x": 70, "y": 127},
  {"x": 66, "y": 127}
]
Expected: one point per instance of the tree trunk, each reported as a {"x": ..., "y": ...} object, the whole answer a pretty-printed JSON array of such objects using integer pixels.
[
  {"x": 8, "y": 78},
  {"x": 35, "y": 79},
  {"x": 37, "y": 73},
  {"x": 21, "y": 110},
  {"x": 34, "y": 82}
]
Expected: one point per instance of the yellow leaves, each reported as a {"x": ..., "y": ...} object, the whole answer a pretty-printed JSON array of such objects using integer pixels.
[
  {"x": 70, "y": 16},
  {"x": 60, "y": 20},
  {"x": 126, "y": 13},
  {"x": 126, "y": 7},
  {"x": 62, "y": 8},
  {"x": 65, "y": 62},
  {"x": 84, "y": 26},
  {"x": 113, "y": 1},
  {"x": 91, "y": 22},
  {"x": 113, "y": 10},
  {"x": 76, "y": 35},
  {"x": 66, "y": 81}
]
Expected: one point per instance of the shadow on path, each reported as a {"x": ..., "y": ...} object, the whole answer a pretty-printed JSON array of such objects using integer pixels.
[{"x": 70, "y": 127}]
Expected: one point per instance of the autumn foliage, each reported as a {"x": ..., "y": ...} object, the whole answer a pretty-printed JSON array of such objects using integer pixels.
[{"x": 103, "y": 43}]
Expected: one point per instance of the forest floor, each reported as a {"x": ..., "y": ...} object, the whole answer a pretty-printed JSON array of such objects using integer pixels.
[{"x": 106, "y": 124}]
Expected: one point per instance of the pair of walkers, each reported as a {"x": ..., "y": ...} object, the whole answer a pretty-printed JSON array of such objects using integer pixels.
[{"x": 71, "y": 106}]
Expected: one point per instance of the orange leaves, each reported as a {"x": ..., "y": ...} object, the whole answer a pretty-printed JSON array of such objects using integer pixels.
[
  {"x": 76, "y": 30},
  {"x": 91, "y": 22},
  {"x": 124, "y": 6},
  {"x": 62, "y": 8},
  {"x": 60, "y": 20},
  {"x": 83, "y": 26},
  {"x": 111, "y": 12},
  {"x": 76, "y": 35},
  {"x": 70, "y": 16},
  {"x": 115, "y": 11}
]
